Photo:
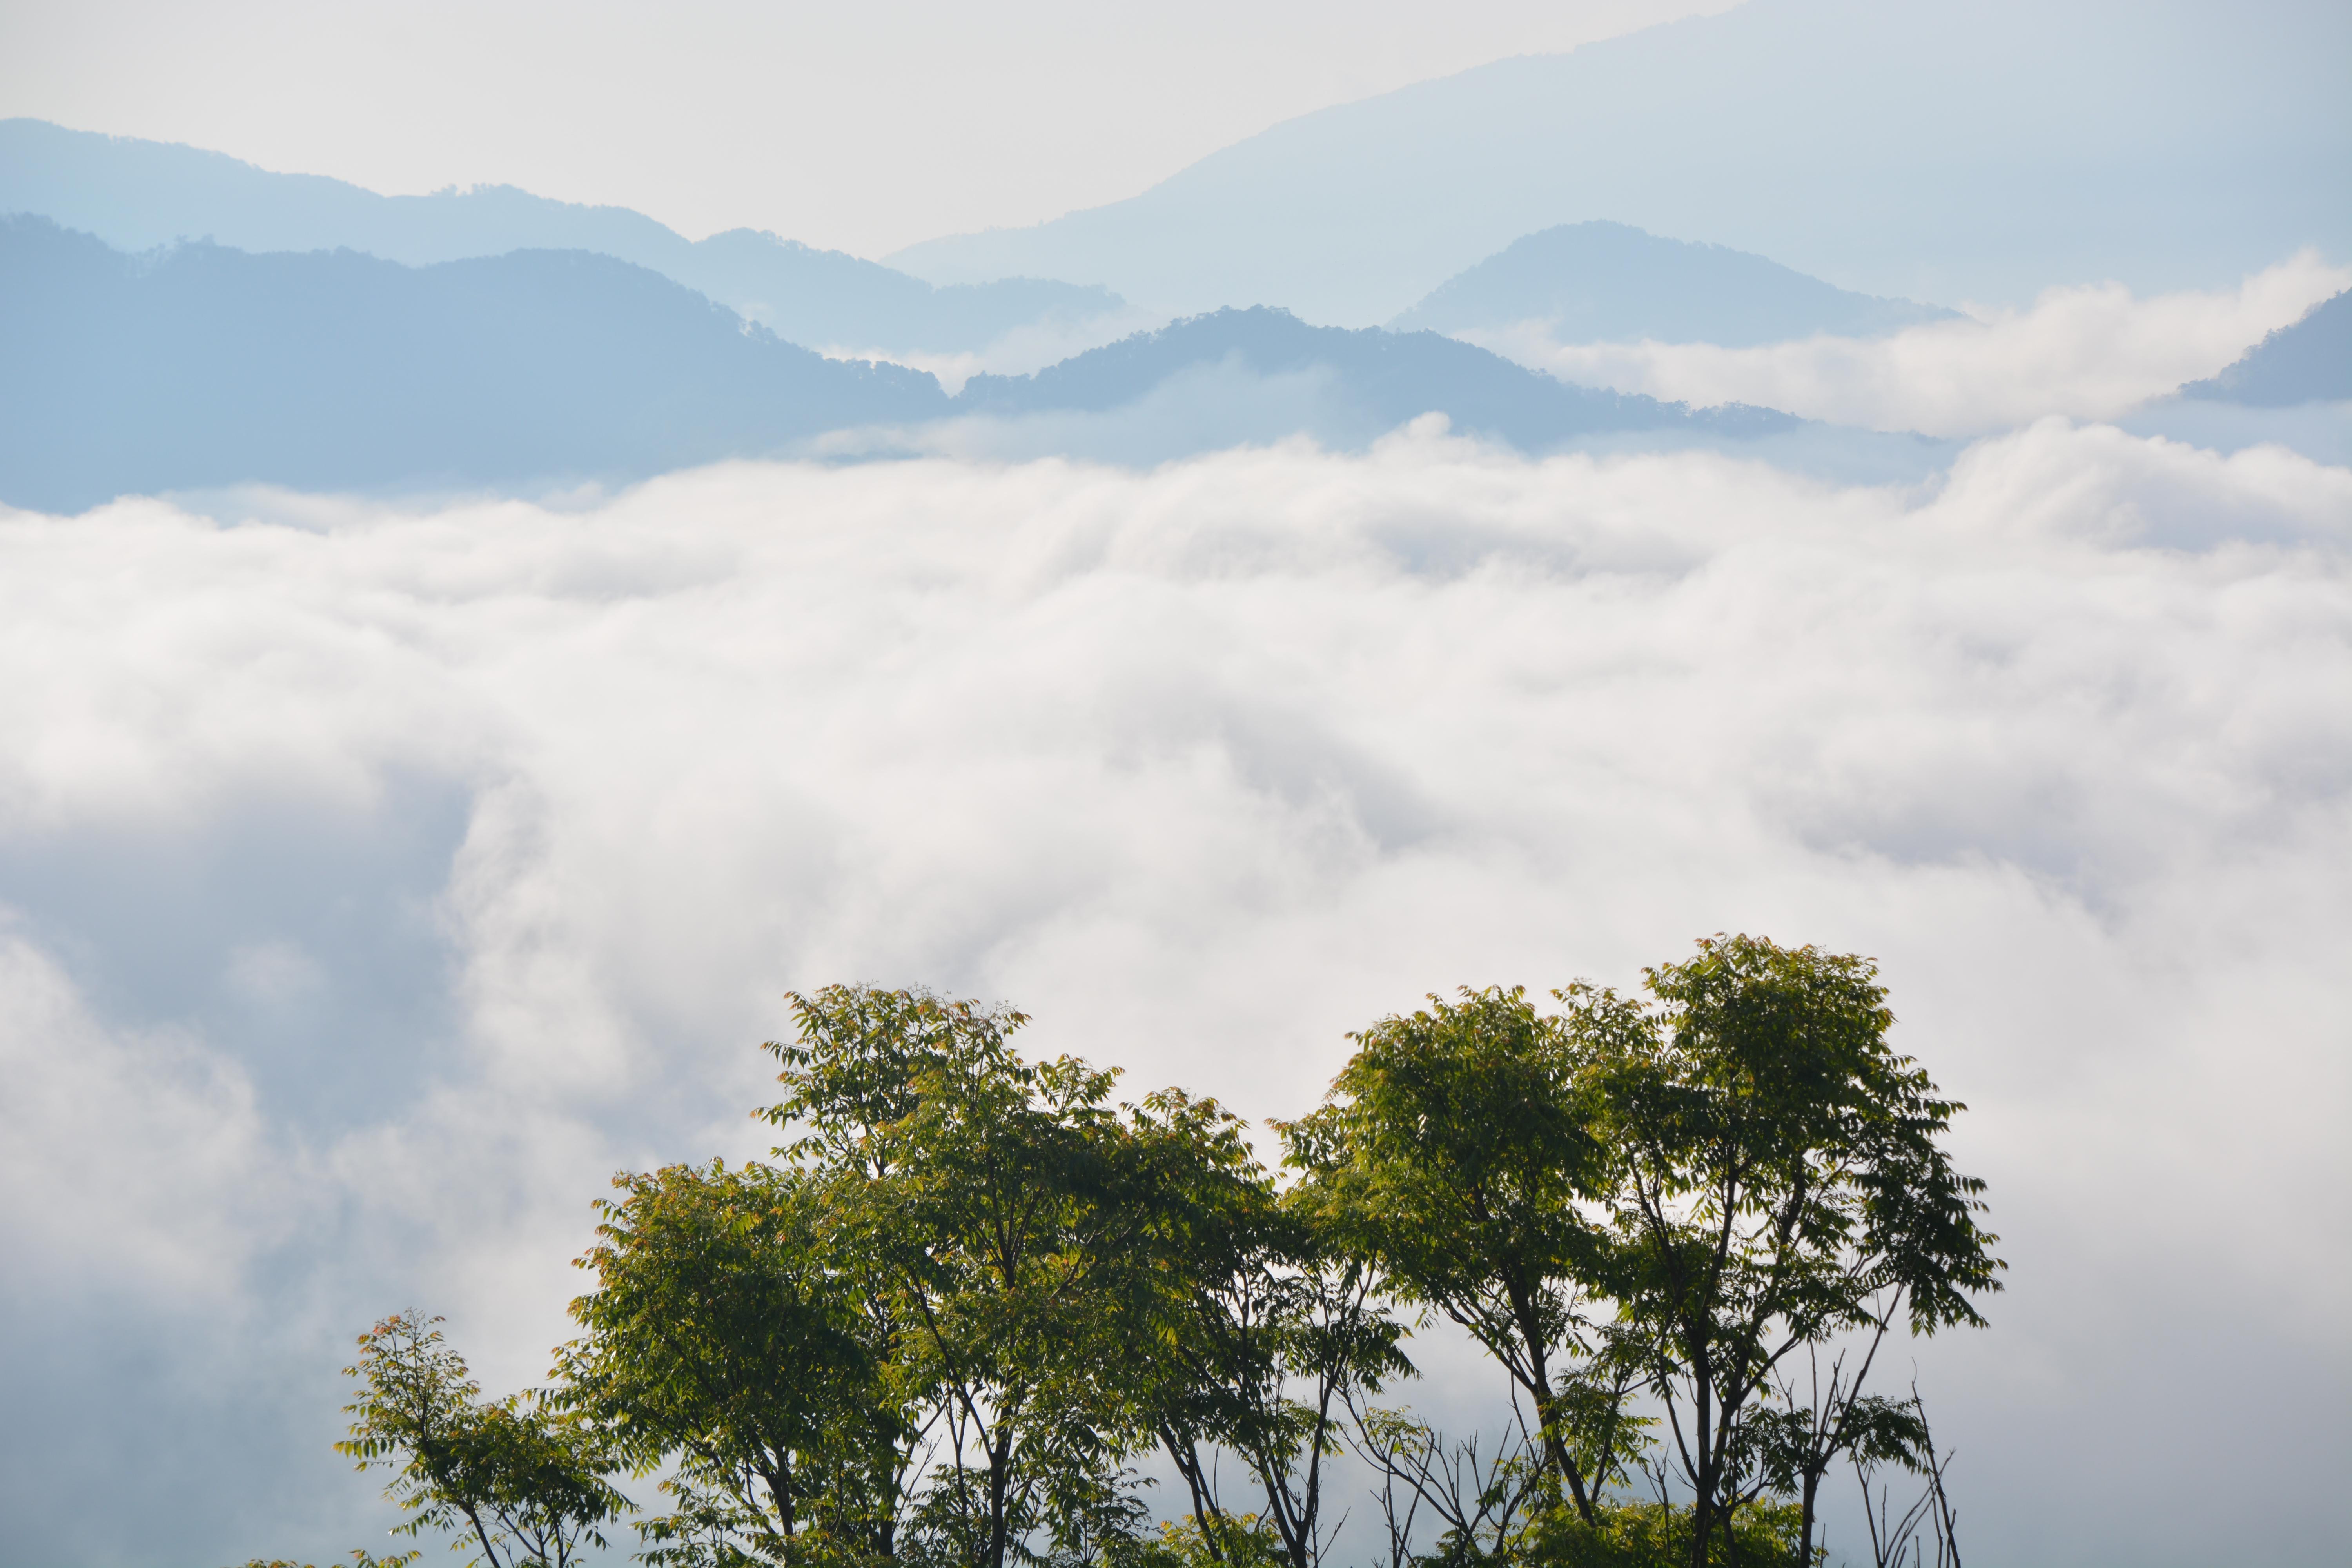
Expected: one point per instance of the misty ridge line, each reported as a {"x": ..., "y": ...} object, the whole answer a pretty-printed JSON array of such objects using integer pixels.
[
  {"x": 138, "y": 195},
  {"x": 1599, "y": 282},
  {"x": 346, "y": 371},
  {"x": 1351, "y": 213},
  {"x": 640, "y": 386},
  {"x": 1596, "y": 280},
  {"x": 195, "y": 366},
  {"x": 2221, "y": 146},
  {"x": 199, "y": 365}
]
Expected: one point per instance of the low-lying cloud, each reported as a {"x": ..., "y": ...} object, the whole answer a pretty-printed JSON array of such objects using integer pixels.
[
  {"x": 2088, "y": 353},
  {"x": 1022, "y": 351},
  {"x": 1204, "y": 766}
]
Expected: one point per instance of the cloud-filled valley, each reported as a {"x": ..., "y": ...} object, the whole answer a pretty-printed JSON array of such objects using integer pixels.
[
  {"x": 1206, "y": 765},
  {"x": 2088, "y": 352}
]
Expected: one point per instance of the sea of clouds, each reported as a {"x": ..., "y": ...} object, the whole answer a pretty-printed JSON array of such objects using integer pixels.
[
  {"x": 2088, "y": 352},
  {"x": 377, "y": 880}
]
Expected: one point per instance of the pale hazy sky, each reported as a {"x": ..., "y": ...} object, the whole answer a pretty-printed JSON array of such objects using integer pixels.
[{"x": 863, "y": 128}]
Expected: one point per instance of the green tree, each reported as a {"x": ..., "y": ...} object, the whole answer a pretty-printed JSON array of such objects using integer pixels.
[
  {"x": 855, "y": 1068},
  {"x": 1486, "y": 1507},
  {"x": 1334, "y": 1345},
  {"x": 1630, "y": 1534},
  {"x": 1795, "y": 1437},
  {"x": 1207, "y": 1370},
  {"x": 1456, "y": 1152},
  {"x": 527, "y": 1480},
  {"x": 1004, "y": 1206},
  {"x": 1265, "y": 1332},
  {"x": 1775, "y": 1169},
  {"x": 979, "y": 1289},
  {"x": 729, "y": 1329},
  {"x": 1480, "y": 1496}
]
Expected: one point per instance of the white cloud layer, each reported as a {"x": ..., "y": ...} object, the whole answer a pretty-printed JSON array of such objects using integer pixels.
[
  {"x": 1204, "y": 766},
  {"x": 2087, "y": 353},
  {"x": 183, "y": 1192}
]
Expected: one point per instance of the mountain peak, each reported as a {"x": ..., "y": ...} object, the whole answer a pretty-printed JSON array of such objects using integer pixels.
[{"x": 2309, "y": 362}]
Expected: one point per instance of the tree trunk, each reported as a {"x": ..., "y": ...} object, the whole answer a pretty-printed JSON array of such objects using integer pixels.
[
  {"x": 1702, "y": 1483},
  {"x": 999, "y": 1461},
  {"x": 779, "y": 1496},
  {"x": 1186, "y": 1457},
  {"x": 1547, "y": 1402},
  {"x": 490, "y": 1553}
]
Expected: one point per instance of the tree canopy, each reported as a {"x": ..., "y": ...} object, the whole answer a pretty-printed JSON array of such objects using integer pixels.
[{"x": 1777, "y": 1179}]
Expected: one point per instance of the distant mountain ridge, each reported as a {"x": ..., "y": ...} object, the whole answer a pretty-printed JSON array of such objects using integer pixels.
[
  {"x": 1928, "y": 149},
  {"x": 136, "y": 195},
  {"x": 199, "y": 365},
  {"x": 1609, "y": 283},
  {"x": 2307, "y": 362},
  {"x": 202, "y": 366},
  {"x": 1386, "y": 377}
]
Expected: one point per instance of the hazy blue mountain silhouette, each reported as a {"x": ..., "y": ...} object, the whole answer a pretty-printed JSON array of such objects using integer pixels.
[
  {"x": 136, "y": 195},
  {"x": 1384, "y": 378},
  {"x": 197, "y": 365},
  {"x": 828, "y": 297},
  {"x": 2309, "y": 362},
  {"x": 1929, "y": 148},
  {"x": 1609, "y": 283},
  {"x": 202, "y": 365}
]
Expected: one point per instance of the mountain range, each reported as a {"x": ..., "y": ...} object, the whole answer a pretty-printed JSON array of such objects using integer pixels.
[
  {"x": 174, "y": 318},
  {"x": 1609, "y": 283},
  {"x": 1381, "y": 378},
  {"x": 1592, "y": 281},
  {"x": 200, "y": 365},
  {"x": 1928, "y": 149},
  {"x": 136, "y": 195}
]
